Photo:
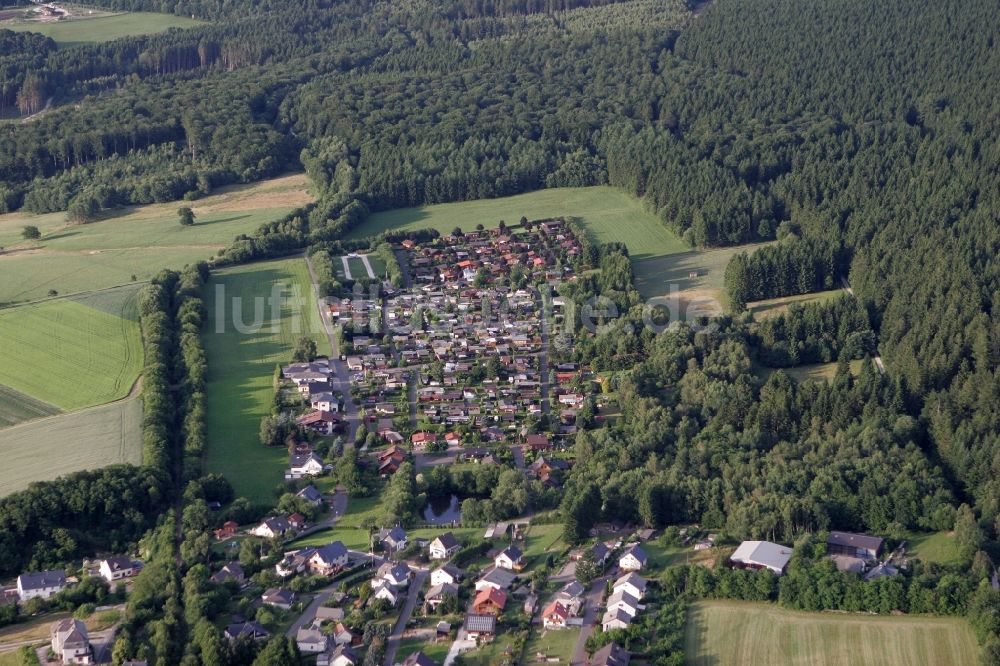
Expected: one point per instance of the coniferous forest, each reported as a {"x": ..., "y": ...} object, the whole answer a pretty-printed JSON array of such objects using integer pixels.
[{"x": 863, "y": 135}]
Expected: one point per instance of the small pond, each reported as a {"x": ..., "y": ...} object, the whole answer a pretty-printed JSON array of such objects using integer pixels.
[{"x": 443, "y": 510}]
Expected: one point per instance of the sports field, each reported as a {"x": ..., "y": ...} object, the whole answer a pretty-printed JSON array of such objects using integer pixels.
[
  {"x": 84, "y": 28},
  {"x": 72, "y": 352},
  {"x": 241, "y": 365},
  {"x": 731, "y": 633},
  {"x": 776, "y": 306},
  {"x": 88, "y": 439},
  {"x": 136, "y": 241}
]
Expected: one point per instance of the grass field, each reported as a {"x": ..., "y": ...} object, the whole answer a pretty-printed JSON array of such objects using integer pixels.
[
  {"x": 552, "y": 644},
  {"x": 72, "y": 352},
  {"x": 435, "y": 650},
  {"x": 936, "y": 547},
  {"x": 88, "y": 439},
  {"x": 241, "y": 367},
  {"x": 724, "y": 633},
  {"x": 815, "y": 372},
  {"x": 135, "y": 241},
  {"x": 16, "y": 407},
  {"x": 102, "y": 27},
  {"x": 776, "y": 306}
]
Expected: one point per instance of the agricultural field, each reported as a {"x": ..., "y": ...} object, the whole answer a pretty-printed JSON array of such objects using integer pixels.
[
  {"x": 134, "y": 243},
  {"x": 85, "y": 26},
  {"x": 775, "y": 306},
  {"x": 16, "y": 407},
  {"x": 724, "y": 633},
  {"x": 241, "y": 366},
  {"x": 72, "y": 352},
  {"x": 57, "y": 445}
]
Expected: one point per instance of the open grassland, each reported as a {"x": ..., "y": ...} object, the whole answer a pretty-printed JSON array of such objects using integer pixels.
[
  {"x": 241, "y": 365},
  {"x": 776, "y": 306},
  {"x": 16, "y": 407},
  {"x": 724, "y": 633},
  {"x": 84, "y": 28},
  {"x": 57, "y": 445},
  {"x": 814, "y": 372},
  {"x": 72, "y": 353},
  {"x": 136, "y": 242}
]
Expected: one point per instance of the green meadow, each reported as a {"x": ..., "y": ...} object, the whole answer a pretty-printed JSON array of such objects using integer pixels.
[
  {"x": 241, "y": 366},
  {"x": 86, "y": 28}
]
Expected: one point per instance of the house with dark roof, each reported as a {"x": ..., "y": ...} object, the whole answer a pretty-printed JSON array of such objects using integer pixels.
[
  {"x": 419, "y": 659},
  {"x": 500, "y": 579},
  {"x": 116, "y": 568},
  {"x": 449, "y": 573},
  {"x": 232, "y": 571},
  {"x": 311, "y": 495},
  {"x": 269, "y": 528},
  {"x": 69, "y": 640},
  {"x": 341, "y": 655},
  {"x": 634, "y": 559},
  {"x": 250, "y": 630},
  {"x": 610, "y": 655},
  {"x": 862, "y": 546},
  {"x": 311, "y": 641},
  {"x": 480, "y": 626},
  {"x": 43, "y": 584},
  {"x": 278, "y": 597},
  {"x": 437, "y": 594},
  {"x": 394, "y": 538},
  {"x": 443, "y": 546},
  {"x": 510, "y": 558}
]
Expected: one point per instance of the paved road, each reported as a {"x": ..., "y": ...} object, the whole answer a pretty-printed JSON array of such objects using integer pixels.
[
  {"x": 342, "y": 382},
  {"x": 392, "y": 646},
  {"x": 309, "y": 614},
  {"x": 591, "y": 615},
  {"x": 543, "y": 357}
]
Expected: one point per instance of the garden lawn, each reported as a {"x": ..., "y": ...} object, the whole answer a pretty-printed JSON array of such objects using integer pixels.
[
  {"x": 553, "y": 643},
  {"x": 72, "y": 353},
  {"x": 724, "y": 633},
  {"x": 90, "y": 439},
  {"x": 435, "y": 650},
  {"x": 241, "y": 365}
]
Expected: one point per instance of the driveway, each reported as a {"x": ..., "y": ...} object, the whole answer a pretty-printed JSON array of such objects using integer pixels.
[
  {"x": 591, "y": 614},
  {"x": 309, "y": 614},
  {"x": 392, "y": 646}
]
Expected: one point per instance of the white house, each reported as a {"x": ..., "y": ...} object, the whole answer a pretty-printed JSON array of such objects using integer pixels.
[
  {"x": 71, "y": 642},
  {"x": 444, "y": 546},
  {"x": 311, "y": 641},
  {"x": 446, "y": 574},
  {"x": 311, "y": 495},
  {"x": 43, "y": 584},
  {"x": 510, "y": 558},
  {"x": 278, "y": 598},
  {"x": 622, "y": 600},
  {"x": 394, "y": 539},
  {"x": 116, "y": 568},
  {"x": 499, "y": 579},
  {"x": 571, "y": 596},
  {"x": 634, "y": 559},
  {"x": 324, "y": 402},
  {"x": 272, "y": 527},
  {"x": 304, "y": 464},
  {"x": 329, "y": 559},
  {"x": 438, "y": 593},
  {"x": 396, "y": 574},
  {"x": 342, "y": 655},
  {"x": 618, "y": 619},
  {"x": 762, "y": 555},
  {"x": 554, "y": 616},
  {"x": 631, "y": 583},
  {"x": 386, "y": 591}
]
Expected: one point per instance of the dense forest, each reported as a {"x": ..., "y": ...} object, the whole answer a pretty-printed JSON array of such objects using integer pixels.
[{"x": 861, "y": 136}]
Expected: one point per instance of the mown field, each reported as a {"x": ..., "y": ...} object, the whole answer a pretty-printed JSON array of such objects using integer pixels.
[
  {"x": 88, "y": 439},
  {"x": 813, "y": 372},
  {"x": 939, "y": 547},
  {"x": 241, "y": 366},
  {"x": 102, "y": 27},
  {"x": 16, "y": 407},
  {"x": 72, "y": 352},
  {"x": 729, "y": 633},
  {"x": 776, "y": 306},
  {"x": 551, "y": 644},
  {"x": 133, "y": 243}
]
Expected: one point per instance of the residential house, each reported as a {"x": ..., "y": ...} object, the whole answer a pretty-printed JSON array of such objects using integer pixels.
[
  {"x": 438, "y": 593},
  {"x": 270, "y": 528},
  {"x": 480, "y": 626},
  {"x": 419, "y": 659},
  {"x": 116, "y": 568},
  {"x": 324, "y": 402},
  {"x": 311, "y": 641},
  {"x": 538, "y": 442},
  {"x": 342, "y": 635},
  {"x": 571, "y": 596},
  {"x": 232, "y": 571},
  {"x": 510, "y": 558},
  {"x": 311, "y": 495},
  {"x": 328, "y": 614},
  {"x": 443, "y": 546},
  {"x": 70, "y": 642},
  {"x": 617, "y": 619},
  {"x": 229, "y": 529},
  {"x": 252, "y": 630},
  {"x": 396, "y": 574},
  {"x": 554, "y": 616},
  {"x": 420, "y": 440},
  {"x": 297, "y": 521},
  {"x": 322, "y": 422},
  {"x": 622, "y": 600},
  {"x": 304, "y": 464},
  {"x": 861, "y": 546},
  {"x": 446, "y": 574},
  {"x": 631, "y": 583},
  {"x": 393, "y": 539},
  {"x": 500, "y": 579},
  {"x": 386, "y": 591},
  {"x": 762, "y": 555},
  {"x": 279, "y": 598},
  {"x": 490, "y": 600},
  {"x": 634, "y": 559},
  {"x": 43, "y": 584},
  {"x": 600, "y": 553},
  {"x": 341, "y": 655},
  {"x": 610, "y": 655},
  {"x": 329, "y": 559}
]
